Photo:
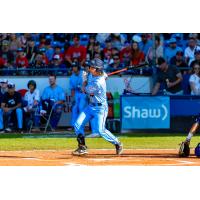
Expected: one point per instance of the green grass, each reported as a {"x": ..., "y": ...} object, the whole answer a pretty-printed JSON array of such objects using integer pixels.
[{"x": 133, "y": 141}]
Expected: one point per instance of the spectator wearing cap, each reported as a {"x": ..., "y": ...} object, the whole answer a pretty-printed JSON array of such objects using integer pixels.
[
  {"x": 137, "y": 56},
  {"x": 171, "y": 50},
  {"x": 76, "y": 51},
  {"x": 3, "y": 87},
  {"x": 21, "y": 61},
  {"x": 125, "y": 54},
  {"x": 57, "y": 66},
  {"x": 145, "y": 43},
  {"x": 189, "y": 51},
  {"x": 169, "y": 77},
  {"x": 179, "y": 61},
  {"x": 11, "y": 106}
]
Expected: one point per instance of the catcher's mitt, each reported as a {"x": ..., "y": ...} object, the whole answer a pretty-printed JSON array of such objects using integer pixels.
[{"x": 184, "y": 150}]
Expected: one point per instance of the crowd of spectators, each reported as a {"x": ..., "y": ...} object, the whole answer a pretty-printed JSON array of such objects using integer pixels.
[{"x": 41, "y": 54}]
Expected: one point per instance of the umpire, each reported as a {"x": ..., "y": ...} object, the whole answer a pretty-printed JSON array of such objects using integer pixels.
[{"x": 11, "y": 106}]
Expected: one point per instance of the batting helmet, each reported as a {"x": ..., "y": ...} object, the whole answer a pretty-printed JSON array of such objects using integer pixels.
[
  {"x": 197, "y": 150},
  {"x": 32, "y": 82},
  {"x": 98, "y": 64}
]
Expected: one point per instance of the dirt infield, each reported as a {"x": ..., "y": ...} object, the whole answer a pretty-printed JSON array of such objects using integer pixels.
[{"x": 96, "y": 158}]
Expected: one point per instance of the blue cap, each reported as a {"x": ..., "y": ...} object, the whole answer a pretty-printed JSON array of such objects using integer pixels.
[{"x": 172, "y": 40}]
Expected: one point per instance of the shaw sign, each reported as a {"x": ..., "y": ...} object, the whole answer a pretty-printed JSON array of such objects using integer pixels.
[{"x": 142, "y": 112}]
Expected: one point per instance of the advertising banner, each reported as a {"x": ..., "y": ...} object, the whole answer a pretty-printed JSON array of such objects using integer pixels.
[{"x": 145, "y": 112}]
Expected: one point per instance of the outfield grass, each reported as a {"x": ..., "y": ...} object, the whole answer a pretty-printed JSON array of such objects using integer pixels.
[{"x": 133, "y": 141}]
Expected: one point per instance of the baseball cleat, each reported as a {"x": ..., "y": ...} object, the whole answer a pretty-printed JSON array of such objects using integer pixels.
[
  {"x": 81, "y": 150},
  {"x": 119, "y": 148}
]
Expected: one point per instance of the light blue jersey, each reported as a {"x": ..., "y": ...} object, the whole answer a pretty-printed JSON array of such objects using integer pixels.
[
  {"x": 96, "y": 90},
  {"x": 97, "y": 110},
  {"x": 56, "y": 93}
]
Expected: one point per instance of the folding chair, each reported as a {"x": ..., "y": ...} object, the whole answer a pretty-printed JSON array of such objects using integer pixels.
[{"x": 46, "y": 113}]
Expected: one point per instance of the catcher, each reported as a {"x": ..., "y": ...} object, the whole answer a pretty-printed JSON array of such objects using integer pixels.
[{"x": 184, "y": 150}]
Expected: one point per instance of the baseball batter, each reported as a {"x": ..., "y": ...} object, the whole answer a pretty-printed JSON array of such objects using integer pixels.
[{"x": 96, "y": 111}]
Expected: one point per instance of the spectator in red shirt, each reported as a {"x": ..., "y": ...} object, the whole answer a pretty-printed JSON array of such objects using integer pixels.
[
  {"x": 21, "y": 61},
  {"x": 125, "y": 54},
  {"x": 137, "y": 56},
  {"x": 76, "y": 52},
  {"x": 2, "y": 62}
]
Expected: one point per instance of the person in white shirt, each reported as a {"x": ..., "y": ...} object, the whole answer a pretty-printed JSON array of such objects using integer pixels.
[
  {"x": 31, "y": 101},
  {"x": 189, "y": 51},
  {"x": 195, "y": 80}
]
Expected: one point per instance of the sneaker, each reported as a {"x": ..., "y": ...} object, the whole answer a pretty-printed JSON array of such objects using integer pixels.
[
  {"x": 81, "y": 150},
  {"x": 8, "y": 130},
  {"x": 119, "y": 148}
]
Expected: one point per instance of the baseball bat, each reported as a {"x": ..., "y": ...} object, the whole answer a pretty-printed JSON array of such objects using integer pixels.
[{"x": 127, "y": 68}]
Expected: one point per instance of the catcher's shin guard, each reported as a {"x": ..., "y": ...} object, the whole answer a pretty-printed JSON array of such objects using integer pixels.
[{"x": 184, "y": 150}]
